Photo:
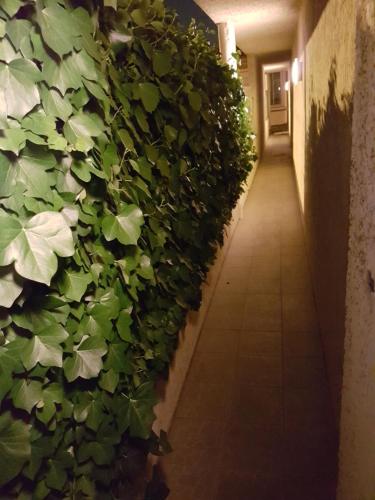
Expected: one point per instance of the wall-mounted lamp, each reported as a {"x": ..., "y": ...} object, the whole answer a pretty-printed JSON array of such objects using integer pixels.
[
  {"x": 287, "y": 86},
  {"x": 296, "y": 71}
]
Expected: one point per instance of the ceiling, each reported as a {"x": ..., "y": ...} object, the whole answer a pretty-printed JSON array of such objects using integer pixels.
[{"x": 262, "y": 26}]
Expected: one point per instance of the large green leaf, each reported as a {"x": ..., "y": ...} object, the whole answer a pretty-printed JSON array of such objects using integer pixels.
[
  {"x": 80, "y": 129},
  {"x": 33, "y": 246},
  {"x": 44, "y": 348},
  {"x": 26, "y": 394},
  {"x": 15, "y": 447},
  {"x": 58, "y": 29},
  {"x": 125, "y": 227},
  {"x": 150, "y": 96},
  {"x": 30, "y": 171},
  {"x": 18, "y": 87},
  {"x": 63, "y": 75},
  {"x": 136, "y": 410},
  {"x": 86, "y": 361}
]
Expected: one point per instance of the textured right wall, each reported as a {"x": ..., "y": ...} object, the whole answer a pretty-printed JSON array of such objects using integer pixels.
[
  {"x": 322, "y": 144},
  {"x": 357, "y": 442}
]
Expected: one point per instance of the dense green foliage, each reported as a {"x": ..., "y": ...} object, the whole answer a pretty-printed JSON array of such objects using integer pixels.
[{"x": 123, "y": 146}]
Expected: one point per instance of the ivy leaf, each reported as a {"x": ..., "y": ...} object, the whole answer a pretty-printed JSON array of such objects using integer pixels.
[
  {"x": 58, "y": 29},
  {"x": 126, "y": 139},
  {"x": 150, "y": 96},
  {"x": 195, "y": 100},
  {"x": 74, "y": 284},
  {"x": 39, "y": 123},
  {"x": 80, "y": 129},
  {"x": 143, "y": 167},
  {"x": 171, "y": 133},
  {"x": 141, "y": 118},
  {"x": 44, "y": 348},
  {"x": 137, "y": 410},
  {"x": 56, "y": 476},
  {"x": 54, "y": 104},
  {"x": 123, "y": 326},
  {"x": 17, "y": 30},
  {"x": 63, "y": 75},
  {"x": 32, "y": 246},
  {"x": 138, "y": 16},
  {"x": 145, "y": 268},
  {"x": 86, "y": 361},
  {"x": 17, "y": 84},
  {"x": 15, "y": 447},
  {"x": 125, "y": 227},
  {"x": 11, "y": 7},
  {"x": 110, "y": 3},
  {"x": 11, "y": 286},
  {"x": 26, "y": 395},
  {"x": 12, "y": 139},
  {"x": 7, "y": 52},
  {"x": 162, "y": 63},
  {"x": 109, "y": 380},
  {"x": 102, "y": 454},
  {"x": 29, "y": 171}
]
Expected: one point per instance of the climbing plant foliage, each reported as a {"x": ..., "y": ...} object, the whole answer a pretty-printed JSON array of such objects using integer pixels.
[{"x": 123, "y": 147}]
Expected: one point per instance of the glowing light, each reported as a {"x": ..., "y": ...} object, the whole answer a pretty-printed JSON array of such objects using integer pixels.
[
  {"x": 287, "y": 86},
  {"x": 296, "y": 71}
]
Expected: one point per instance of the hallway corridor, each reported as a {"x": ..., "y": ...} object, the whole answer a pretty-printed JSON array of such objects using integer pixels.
[{"x": 254, "y": 419}]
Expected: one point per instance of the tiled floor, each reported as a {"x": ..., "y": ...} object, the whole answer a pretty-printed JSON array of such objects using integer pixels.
[{"x": 254, "y": 419}]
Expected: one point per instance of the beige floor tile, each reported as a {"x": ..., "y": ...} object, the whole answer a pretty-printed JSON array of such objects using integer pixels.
[
  {"x": 205, "y": 400},
  {"x": 252, "y": 449},
  {"x": 248, "y": 486},
  {"x": 226, "y": 311},
  {"x": 295, "y": 272},
  {"x": 233, "y": 279},
  {"x": 259, "y": 343},
  {"x": 302, "y": 344},
  {"x": 194, "y": 433},
  {"x": 218, "y": 341},
  {"x": 304, "y": 372},
  {"x": 264, "y": 276},
  {"x": 261, "y": 407},
  {"x": 299, "y": 312},
  {"x": 259, "y": 371},
  {"x": 212, "y": 367},
  {"x": 262, "y": 312},
  {"x": 194, "y": 477}
]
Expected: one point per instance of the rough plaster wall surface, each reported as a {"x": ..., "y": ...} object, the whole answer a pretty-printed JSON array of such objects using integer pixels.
[
  {"x": 357, "y": 449},
  {"x": 332, "y": 43},
  {"x": 329, "y": 77}
]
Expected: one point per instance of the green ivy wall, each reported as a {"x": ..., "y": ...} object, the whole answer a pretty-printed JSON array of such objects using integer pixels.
[{"x": 123, "y": 148}]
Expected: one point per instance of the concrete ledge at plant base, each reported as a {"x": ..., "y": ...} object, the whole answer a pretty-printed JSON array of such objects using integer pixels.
[{"x": 189, "y": 336}]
